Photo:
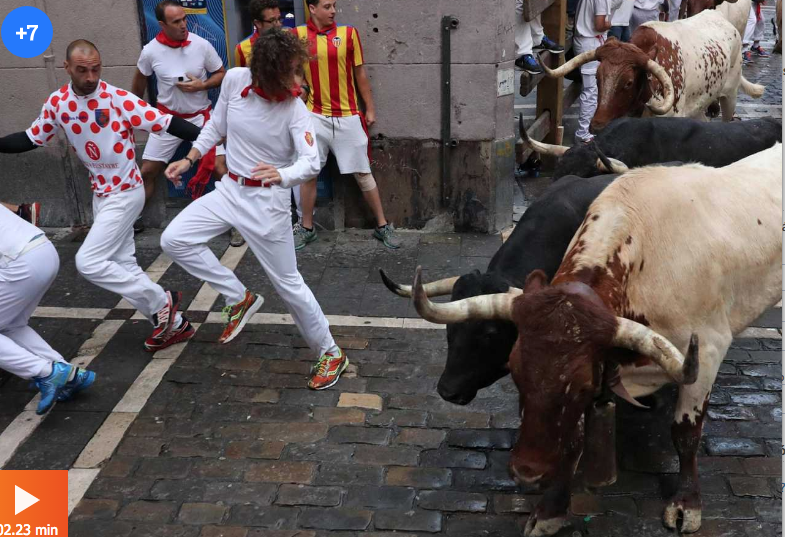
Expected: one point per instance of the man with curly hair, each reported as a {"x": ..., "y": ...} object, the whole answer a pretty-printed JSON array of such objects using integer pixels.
[
  {"x": 270, "y": 148},
  {"x": 337, "y": 81}
]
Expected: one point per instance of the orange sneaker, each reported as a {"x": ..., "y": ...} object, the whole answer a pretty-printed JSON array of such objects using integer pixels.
[
  {"x": 327, "y": 370},
  {"x": 237, "y": 315}
]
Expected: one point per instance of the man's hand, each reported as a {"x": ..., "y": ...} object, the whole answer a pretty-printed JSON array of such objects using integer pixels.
[
  {"x": 267, "y": 173},
  {"x": 370, "y": 117},
  {"x": 175, "y": 171},
  {"x": 193, "y": 85}
]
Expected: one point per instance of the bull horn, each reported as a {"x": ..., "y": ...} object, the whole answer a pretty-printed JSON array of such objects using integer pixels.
[
  {"x": 540, "y": 147},
  {"x": 437, "y": 288},
  {"x": 639, "y": 338},
  {"x": 577, "y": 61},
  {"x": 496, "y": 306},
  {"x": 655, "y": 105},
  {"x": 606, "y": 164}
]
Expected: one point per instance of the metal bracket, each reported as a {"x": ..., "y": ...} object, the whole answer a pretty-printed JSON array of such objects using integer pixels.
[{"x": 448, "y": 23}]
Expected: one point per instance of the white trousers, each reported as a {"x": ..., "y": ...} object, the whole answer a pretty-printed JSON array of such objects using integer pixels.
[
  {"x": 108, "y": 256},
  {"x": 23, "y": 283},
  {"x": 673, "y": 10},
  {"x": 263, "y": 217},
  {"x": 755, "y": 29},
  {"x": 527, "y": 34},
  {"x": 587, "y": 100}
]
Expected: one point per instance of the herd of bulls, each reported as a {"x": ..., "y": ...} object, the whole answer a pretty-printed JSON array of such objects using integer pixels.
[{"x": 619, "y": 284}]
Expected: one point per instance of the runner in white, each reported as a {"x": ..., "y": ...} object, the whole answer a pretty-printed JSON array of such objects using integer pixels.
[
  {"x": 262, "y": 120},
  {"x": 99, "y": 121},
  {"x": 28, "y": 266},
  {"x": 185, "y": 66}
]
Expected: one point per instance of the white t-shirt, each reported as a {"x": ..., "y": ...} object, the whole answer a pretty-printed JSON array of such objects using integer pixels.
[
  {"x": 100, "y": 127},
  {"x": 15, "y": 233},
  {"x": 197, "y": 59},
  {"x": 621, "y": 17},
  {"x": 648, "y": 5},
  {"x": 584, "y": 16},
  {"x": 279, "y": 133}
]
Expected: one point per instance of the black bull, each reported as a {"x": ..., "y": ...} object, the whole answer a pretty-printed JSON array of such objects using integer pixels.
[
  {"x": 644, "y": 141},
  {"x": 478, "y": 352}
]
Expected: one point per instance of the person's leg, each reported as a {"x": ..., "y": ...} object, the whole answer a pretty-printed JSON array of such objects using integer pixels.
[
  {"x": 588, "y": 97},
  {"x": 325, "y": 133},
  {"x": 151, "y": 169},
  {"x": 615, "y": 31},
  {"x": 673, "y": 10},
  {"x": 626, "y": 34},
  {"x": 758, "y": 34}
]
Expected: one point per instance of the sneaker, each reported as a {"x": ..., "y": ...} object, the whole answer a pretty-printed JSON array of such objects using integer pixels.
[
  {"x": 385, "y": 234},
  {"x": 746, "y": 57},
  {"x": 549, "y": 45},
  {"x": 51, "y": 386},
  {"x": 327, "y": 370},
  {"x": 303, "y": 236},
  {"x": 81, "y": 381},
  {"x": 236, "y": 239},
  {"x": 759, "y": 51},
  {"x": 529, "y": 64},
  {"x": 184, "y": 332},
  {"x": 138, "y": 224},
  {"x": 163, "y": 322},
  {"x": 29, "y": 212},
  {"x": 237, "y": 315}
]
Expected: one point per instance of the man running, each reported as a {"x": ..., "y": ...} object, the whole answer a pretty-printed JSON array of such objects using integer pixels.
[{"x": 99, "y": 121}]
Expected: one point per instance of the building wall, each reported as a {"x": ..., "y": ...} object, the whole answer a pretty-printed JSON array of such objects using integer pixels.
[{"x": 402, "y": 45}]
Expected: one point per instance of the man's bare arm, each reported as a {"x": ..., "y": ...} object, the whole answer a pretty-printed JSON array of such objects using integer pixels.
[{"x": 139, "y": 84}]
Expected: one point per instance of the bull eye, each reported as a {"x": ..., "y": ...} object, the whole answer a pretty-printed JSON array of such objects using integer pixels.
[{"x": 628, "y": 84}]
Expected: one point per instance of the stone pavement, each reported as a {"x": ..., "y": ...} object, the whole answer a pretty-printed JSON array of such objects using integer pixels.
[{"x": 203, "y": 440}]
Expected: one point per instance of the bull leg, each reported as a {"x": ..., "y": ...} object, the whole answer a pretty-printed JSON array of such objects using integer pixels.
[
  {"x": 728, "y": 106},
  {"x": 686, "y": 434}
]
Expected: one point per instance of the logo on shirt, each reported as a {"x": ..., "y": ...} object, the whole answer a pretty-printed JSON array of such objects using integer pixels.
[
  {"x": 336, "y": 41},
  {"x": 308, "y": 138},
  {"x": 102, "y": 117},
  {"x": 92, "y": 149}
]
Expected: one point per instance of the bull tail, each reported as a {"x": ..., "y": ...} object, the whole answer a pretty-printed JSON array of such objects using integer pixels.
[{"x": 753, "y": 90}]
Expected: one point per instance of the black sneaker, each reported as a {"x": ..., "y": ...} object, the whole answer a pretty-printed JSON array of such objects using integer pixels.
[
  {"x": 138, "y": 225},
  {"x": 549, "y": 45},
  {"x": 529, "y": 64}
]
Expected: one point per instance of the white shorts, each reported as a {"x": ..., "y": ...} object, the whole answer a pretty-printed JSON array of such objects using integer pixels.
[
  {"x": 345, "y": 137},
  {"x": 162, "y": 147}
]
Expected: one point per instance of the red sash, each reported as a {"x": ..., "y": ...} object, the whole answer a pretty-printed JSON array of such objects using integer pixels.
[{"x": 198, "y": 182}]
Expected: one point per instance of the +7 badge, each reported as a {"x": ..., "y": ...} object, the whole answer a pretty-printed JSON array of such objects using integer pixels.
[{"x": 26, "y": 32}]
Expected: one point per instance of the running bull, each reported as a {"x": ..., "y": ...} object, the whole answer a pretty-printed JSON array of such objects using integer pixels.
[
  {"x": 635, "y": 142},
  {"x": 668, "y": 68},
  {"x": 668, "y": 265}
]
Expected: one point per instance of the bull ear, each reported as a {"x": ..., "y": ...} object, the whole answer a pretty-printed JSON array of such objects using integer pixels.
[{"x": 535, "y": 281}]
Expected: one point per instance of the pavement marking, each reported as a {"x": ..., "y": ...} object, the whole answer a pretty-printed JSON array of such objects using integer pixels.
[
  {"x": 206, "y": 296},
  {"x": 78, "y": 483},
  {"x": 27, "y": 421},
  {"x": 105, "y": 440},
  {"x": 54, "y": 312}
]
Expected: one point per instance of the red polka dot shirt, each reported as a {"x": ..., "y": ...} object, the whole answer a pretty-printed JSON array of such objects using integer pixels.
[{"x": 100, "y": 128}]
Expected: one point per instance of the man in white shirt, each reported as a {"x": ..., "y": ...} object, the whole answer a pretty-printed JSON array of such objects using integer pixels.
[
  {"x": 98, "y": 120},
  {"x": 28, "y": 266},
  {"x": 620, "y": 21},
  {"x": 592, "y": 22},
  {"x": 185, "y": 66},
  {"x": 646, "y": 11}
]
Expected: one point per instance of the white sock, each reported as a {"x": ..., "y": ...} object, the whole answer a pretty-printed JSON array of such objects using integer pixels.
[
  {"x": 178, "y": 321},
  {"x": 46, "y": 370},
  {"x": 334, "y": 350}
]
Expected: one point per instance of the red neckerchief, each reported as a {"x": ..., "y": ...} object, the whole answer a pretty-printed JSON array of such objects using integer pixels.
[
  {"x": 293, "y": 92},
  {"x": 312, "y": 26},
  {"x": 164, "y": 40}
]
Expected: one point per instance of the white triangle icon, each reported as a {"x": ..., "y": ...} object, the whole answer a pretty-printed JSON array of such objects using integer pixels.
[{"x": 23, "y": 500}]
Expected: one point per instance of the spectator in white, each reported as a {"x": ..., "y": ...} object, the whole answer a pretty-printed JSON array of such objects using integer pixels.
[
  {"x": 28, "y": 266},
  {"x": 620, "y": 21},
  {"x": 185, "y": 66},
  {"x": 753, "y": 33},
  {"x": 646, "y": 11},
  {"x": 529, "y": 37},
  {"x": 592, "y": 22},
  {"x": 673, "y": 10},
  {"x": 98, "y": 120},
  {"x": 271, "y": 146}
]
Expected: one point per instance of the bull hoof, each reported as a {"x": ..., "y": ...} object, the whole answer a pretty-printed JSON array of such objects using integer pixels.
[
  {"x": 536, "y": 527},
  {"x": 691, "y": 518}
]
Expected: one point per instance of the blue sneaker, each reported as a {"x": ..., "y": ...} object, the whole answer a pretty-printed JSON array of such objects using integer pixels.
[
  {"x": 52, "y": 385},
  {"x": 529, "y": 64},
  {"x": 549, "y": 45},
  {"x": 82, "y": 380}
]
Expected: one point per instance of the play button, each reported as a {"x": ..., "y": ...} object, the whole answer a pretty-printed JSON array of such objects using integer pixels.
[{"x": 23, "y": 500}]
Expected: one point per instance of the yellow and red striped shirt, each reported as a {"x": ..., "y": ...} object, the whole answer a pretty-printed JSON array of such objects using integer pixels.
[
  {"x": 242, "y": 52},
  {"x": 336, "y": 51}
]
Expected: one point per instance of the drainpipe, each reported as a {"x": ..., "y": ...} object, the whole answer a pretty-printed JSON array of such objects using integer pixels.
[{"x": 449, "y": 23}]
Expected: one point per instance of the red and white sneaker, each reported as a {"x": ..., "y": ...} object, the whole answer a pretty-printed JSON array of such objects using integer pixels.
[
  {"x": 176, "y": 335},
  {"x": 328, "y": 370},
  {"x": 237, "y": 315},
  {"x": 163, "y": 321}
]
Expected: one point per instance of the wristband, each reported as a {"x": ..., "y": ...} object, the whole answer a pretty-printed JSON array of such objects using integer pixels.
[{"x": 189, "y": 160}]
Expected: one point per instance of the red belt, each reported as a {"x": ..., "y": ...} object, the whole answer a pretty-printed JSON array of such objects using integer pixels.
[
  {"x": 245, "y": 181},
  {"x": 198, "y": 182}
]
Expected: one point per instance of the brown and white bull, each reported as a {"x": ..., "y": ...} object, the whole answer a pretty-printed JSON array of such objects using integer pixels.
[
  {"x": 668, "y": 263},
  {"x": 669, "y": 69}
]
